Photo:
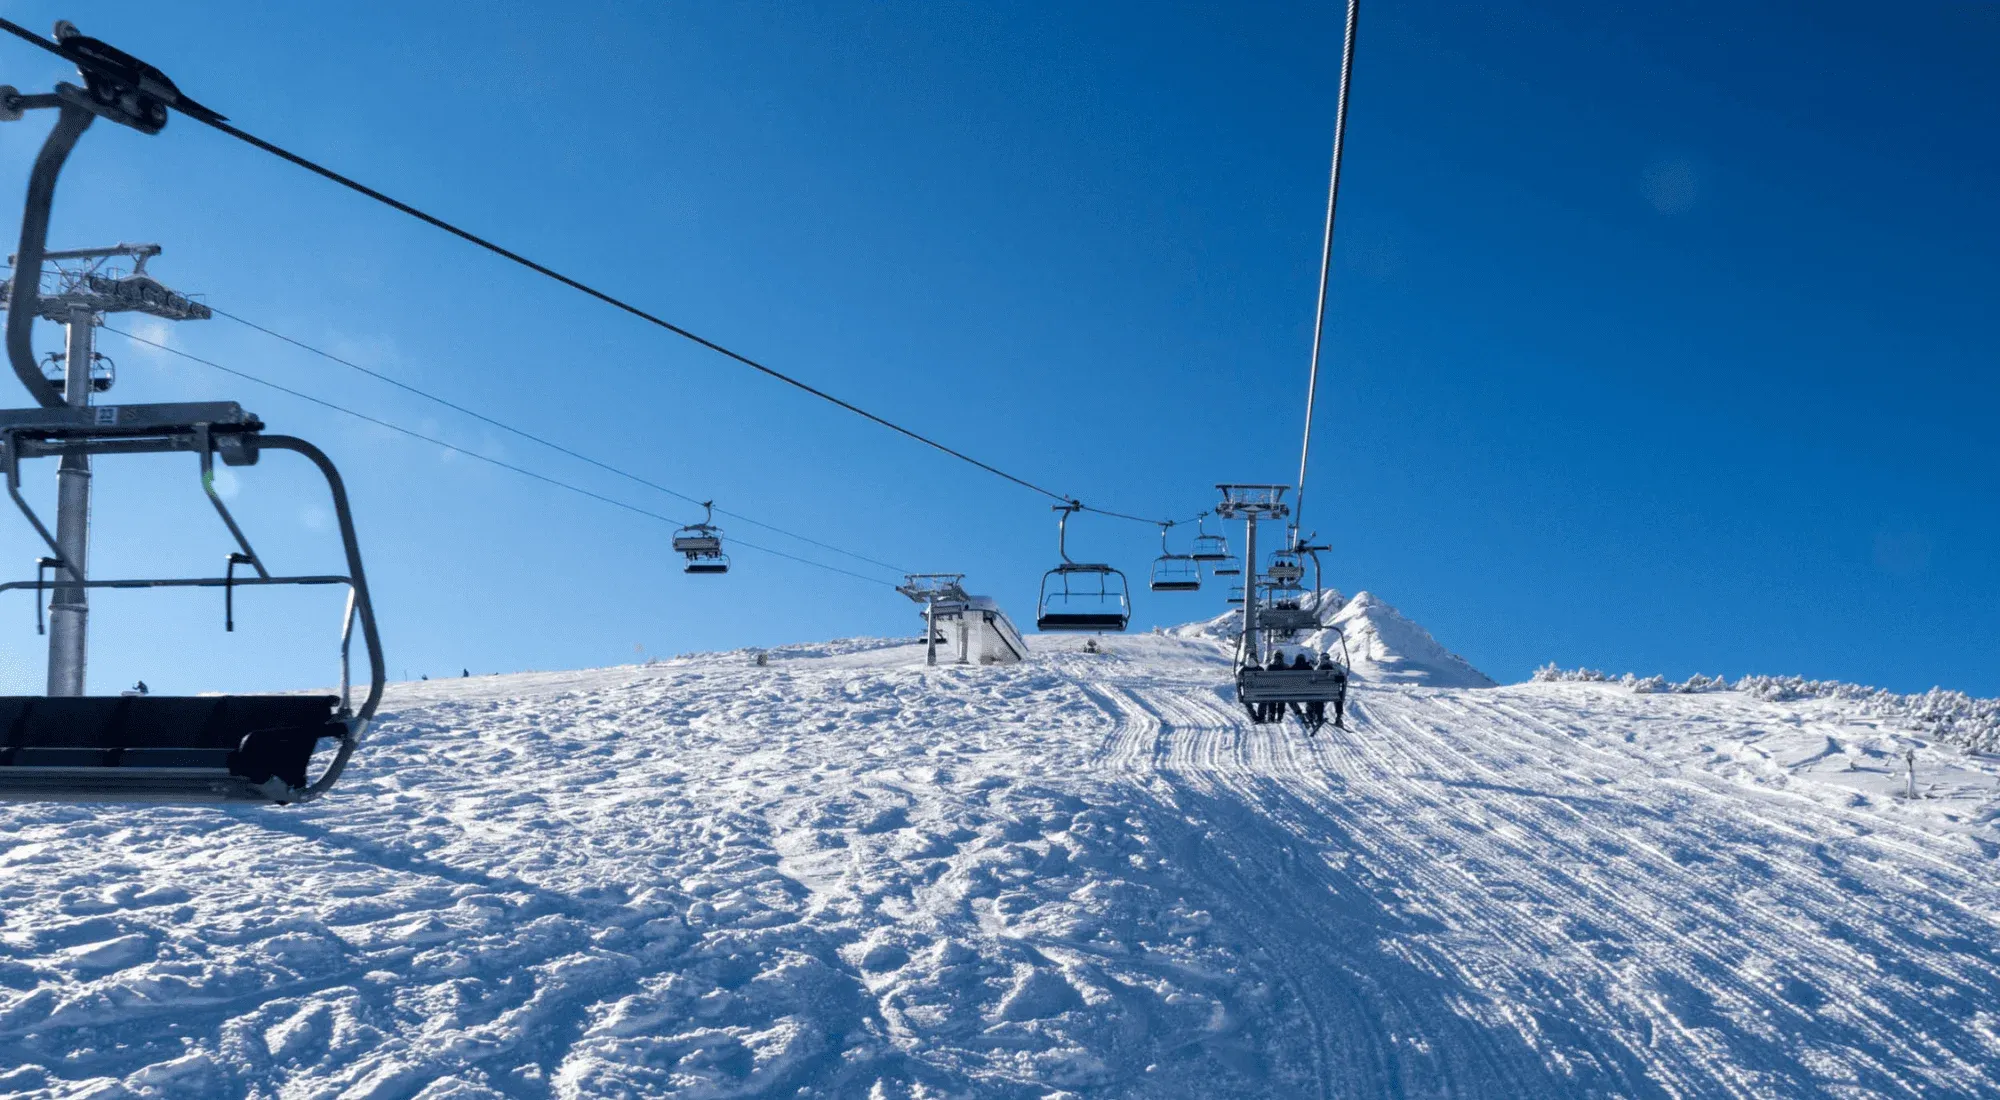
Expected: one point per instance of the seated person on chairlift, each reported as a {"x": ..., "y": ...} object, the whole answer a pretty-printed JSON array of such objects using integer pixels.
[
  {"x": 1274, "y": 712},
  {"x": 1301, "y": 663},
  {"x": 1328, "y": 664},
  {"x": 1315, "y": 710}
]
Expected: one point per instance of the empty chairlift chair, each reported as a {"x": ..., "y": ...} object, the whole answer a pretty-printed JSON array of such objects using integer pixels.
[
  {"x": 1208, "y": 549},
  {"x": 160, "y": 748},
  {"x": 1174, "y": 572},
  {"x": 1080, "y": 596},
  {"x": 702, "y": 544},
  {"x": 1213, "y": 551},
  {"x": 70, "y": 747}
]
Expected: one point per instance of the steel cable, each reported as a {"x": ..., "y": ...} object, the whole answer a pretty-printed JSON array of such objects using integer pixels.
[
  {"x": 454, "y": 448},
  {"x": 1326, "y": 252},
  {"x": 218, "y": 122}
]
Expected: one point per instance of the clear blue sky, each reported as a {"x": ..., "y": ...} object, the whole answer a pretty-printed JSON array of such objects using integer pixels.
[{"x": 1661, "y": 336}]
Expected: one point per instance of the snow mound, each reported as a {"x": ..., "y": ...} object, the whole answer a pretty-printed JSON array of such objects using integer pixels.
[
  {"x": 1382, "y": 645},
  {"x": 1952, "y": 717}
]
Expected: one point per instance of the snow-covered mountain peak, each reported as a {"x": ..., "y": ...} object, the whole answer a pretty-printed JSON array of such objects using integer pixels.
[{"x": 1382, "y": 644}]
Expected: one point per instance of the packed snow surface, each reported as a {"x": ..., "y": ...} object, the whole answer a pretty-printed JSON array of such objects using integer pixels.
[{"x": 846, "y": 874}]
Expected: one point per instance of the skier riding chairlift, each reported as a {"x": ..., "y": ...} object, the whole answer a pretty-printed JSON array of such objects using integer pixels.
[{"x": 1274, "y": 712}]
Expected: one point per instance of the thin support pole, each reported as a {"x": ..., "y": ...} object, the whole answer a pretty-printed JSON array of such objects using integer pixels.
[
  {"x": 1248, "y": 653},
  {"x": 70, "y": 610},
  {"x": 930, "y": 631},
  {"x": 1326, "y": 253}
]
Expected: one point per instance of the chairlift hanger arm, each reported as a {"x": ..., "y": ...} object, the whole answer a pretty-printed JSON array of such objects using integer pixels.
[
  {"x": 363, "y": 606},
  {"x": 11, "y": 456},
  {"x": 208, "y": 487},
  {"x": 22, "y": 305}
]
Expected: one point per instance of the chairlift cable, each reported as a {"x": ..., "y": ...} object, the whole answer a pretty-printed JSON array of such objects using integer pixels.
[
  {"x": 218, "y": 122},
  {"x": 1326, "y": 252},
  {"x": 533, "y": 438},
  {"x": 433, "y": 440}
]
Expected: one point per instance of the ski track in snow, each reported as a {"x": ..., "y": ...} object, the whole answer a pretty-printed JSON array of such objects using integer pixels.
[{"x": 849, "y": 875}]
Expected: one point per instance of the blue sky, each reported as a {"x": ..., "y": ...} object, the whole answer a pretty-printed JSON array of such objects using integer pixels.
[{"x": 1660, "y": 338}]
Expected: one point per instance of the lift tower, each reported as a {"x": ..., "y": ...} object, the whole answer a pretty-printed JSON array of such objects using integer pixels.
[
  {"x": 1252, "y": 504},
  {"x": 77, "y": 288}
]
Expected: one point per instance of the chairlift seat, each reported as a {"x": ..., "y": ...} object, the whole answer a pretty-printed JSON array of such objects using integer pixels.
[
  {"x": 1081, "y": 620},
  {"x": 696, "y": 544},
  {"x": 694, "y": 566},
  {"x": 1176, "y": 586},
  {"x": 206, "y": 748}
]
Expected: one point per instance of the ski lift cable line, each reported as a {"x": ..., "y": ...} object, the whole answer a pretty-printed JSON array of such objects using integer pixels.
[
  {"x": 1326, "y": 251},
  {"x": 542, "y": 441},
  {"x": 218, "y": 122},
  {"x": 454, "y": 448}
]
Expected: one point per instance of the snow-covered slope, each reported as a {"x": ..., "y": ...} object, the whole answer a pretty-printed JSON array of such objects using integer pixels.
[{"x": 845, "y": 874}]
